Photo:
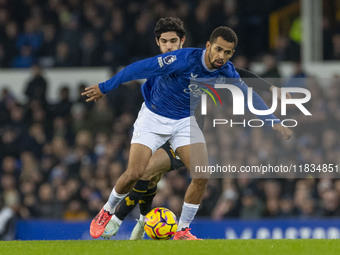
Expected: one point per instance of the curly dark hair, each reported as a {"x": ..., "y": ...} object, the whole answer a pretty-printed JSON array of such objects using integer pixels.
[{"x": 170, "y": 24}]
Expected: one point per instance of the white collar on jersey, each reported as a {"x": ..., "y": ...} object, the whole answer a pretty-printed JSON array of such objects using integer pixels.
[{"x": 203, "y": 63}]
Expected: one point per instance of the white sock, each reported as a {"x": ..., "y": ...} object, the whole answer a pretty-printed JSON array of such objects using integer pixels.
[
  {"x": 188, "y": 214},
  {"x": 113, "y": 201},
  {"x": 116, "y": 219},
  {"x": 141, "y": 217}
]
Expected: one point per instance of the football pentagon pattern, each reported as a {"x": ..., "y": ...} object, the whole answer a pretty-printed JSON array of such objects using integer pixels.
[{"x": 160, "y": 224}]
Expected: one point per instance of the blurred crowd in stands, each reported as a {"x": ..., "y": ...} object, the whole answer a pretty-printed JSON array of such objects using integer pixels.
[
  {"x": 64, "y": 33},
  {"x": 61, "y": 160}
]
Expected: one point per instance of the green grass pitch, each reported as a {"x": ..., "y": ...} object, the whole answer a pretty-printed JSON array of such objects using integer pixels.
[{"x": 150, "y": 247}]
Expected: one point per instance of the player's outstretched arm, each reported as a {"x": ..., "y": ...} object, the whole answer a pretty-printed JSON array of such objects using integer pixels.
[
  {"x": 284, "y": 131},
  {"x": 259, "y": 83},
  {"x": 254, "y": 81},
  {"x": 288, "y": 96},
  {"x": 93, "y": 93},
  {"x": 167, "y": 63}
]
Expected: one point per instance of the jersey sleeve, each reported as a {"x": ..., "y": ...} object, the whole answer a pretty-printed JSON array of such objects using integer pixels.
[
  {"x": 171, "y": 62},
  {"x": 258, "y": 102},
  {"x": 253, "y": 80}
]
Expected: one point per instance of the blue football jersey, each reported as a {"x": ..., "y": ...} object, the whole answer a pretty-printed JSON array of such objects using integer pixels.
[{"x": 167, "y": 91}]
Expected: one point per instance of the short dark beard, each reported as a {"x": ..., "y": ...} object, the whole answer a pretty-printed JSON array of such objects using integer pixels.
[
  {"x": 179, "y": 47},
  {"x": 212, "y": 63}
]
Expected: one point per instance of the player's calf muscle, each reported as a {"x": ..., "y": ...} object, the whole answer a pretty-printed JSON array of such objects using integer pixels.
[
  {"x": 196, "y": 190},
  {"x": 154, "y": 180},
  {"x": 200, "y": 182},
  {"x": 124, "y": 184},
  {"x": 135, "y": 174}
]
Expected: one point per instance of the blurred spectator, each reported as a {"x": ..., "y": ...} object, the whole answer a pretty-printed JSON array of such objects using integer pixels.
[
  {"x": 295, "y": 36},
  {"x": 62, "y": 108},
  {"x": 240, "y": 61},
  {"x": 75, "y": 211},
  {"x": 101, "y": 117},
  {"x": 25, "y": 59},
  {"x": 6, "y": 102},
  {"x": 287, "y": 49},
  {"x": 297, "y": 79},
  {"x": 7, "y": 222},
  {"x": 287, "y": 208},
  {"x": 9, "y": 143},
  {"x": 80, "y": 116},
  {"x": 143, "y": 34},
  {"x": 9, "y": 166},
  {"x": 31, "y": 37},
  {"x": 271, "y": 70},
  {"x": 63, "y": 56},
  {"x": 10, "y": 193},
  {"x": 9, "y": 43},
  {"x": 272, "y": 208},
  {"x": 308, "y": 209},
  {"x": 69, "y": 40},
  {"x": 227, "y": 206},
  {"x": 47, "y": 50},
  {"x": 210, "y": 198},
  {"x": 272, "y": 189},
  {"x": 89, "y": 53},
  {"x": 45, "y": 205},
  {"x": 330, "y": 204},
  {"x": 113, "y": 52},
  {"x": 36, "y": 88},
  {"x": 252, "y": 207},
  {"x": 200, "y": 27}
]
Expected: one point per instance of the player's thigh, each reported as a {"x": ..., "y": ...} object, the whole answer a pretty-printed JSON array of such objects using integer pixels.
[
  {"x": 158, "y": 164},
  {"x": 138, "y": 160},
  {"x": 193, "y": 156}
]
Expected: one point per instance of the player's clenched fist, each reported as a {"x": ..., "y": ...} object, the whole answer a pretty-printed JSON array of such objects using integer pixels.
[
  {"x": 93, "y": 93},
  {"x": 285, "y": 131}
]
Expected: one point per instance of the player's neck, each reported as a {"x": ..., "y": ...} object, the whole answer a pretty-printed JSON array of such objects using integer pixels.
[{"x": 206, "y": 61}]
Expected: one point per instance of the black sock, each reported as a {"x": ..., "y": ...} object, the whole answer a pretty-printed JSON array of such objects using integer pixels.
[
  {"x": 145, "y": 202},
  {"x": 131, "y": 200}
]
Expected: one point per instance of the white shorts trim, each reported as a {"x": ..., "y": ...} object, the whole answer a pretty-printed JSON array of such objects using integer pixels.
[{"x": 153, "y": 130}]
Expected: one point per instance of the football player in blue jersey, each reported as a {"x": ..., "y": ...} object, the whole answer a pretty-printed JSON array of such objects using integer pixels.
[
  {"x": 170, "y": 35},
  {"x": 168, "y": 77}
]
